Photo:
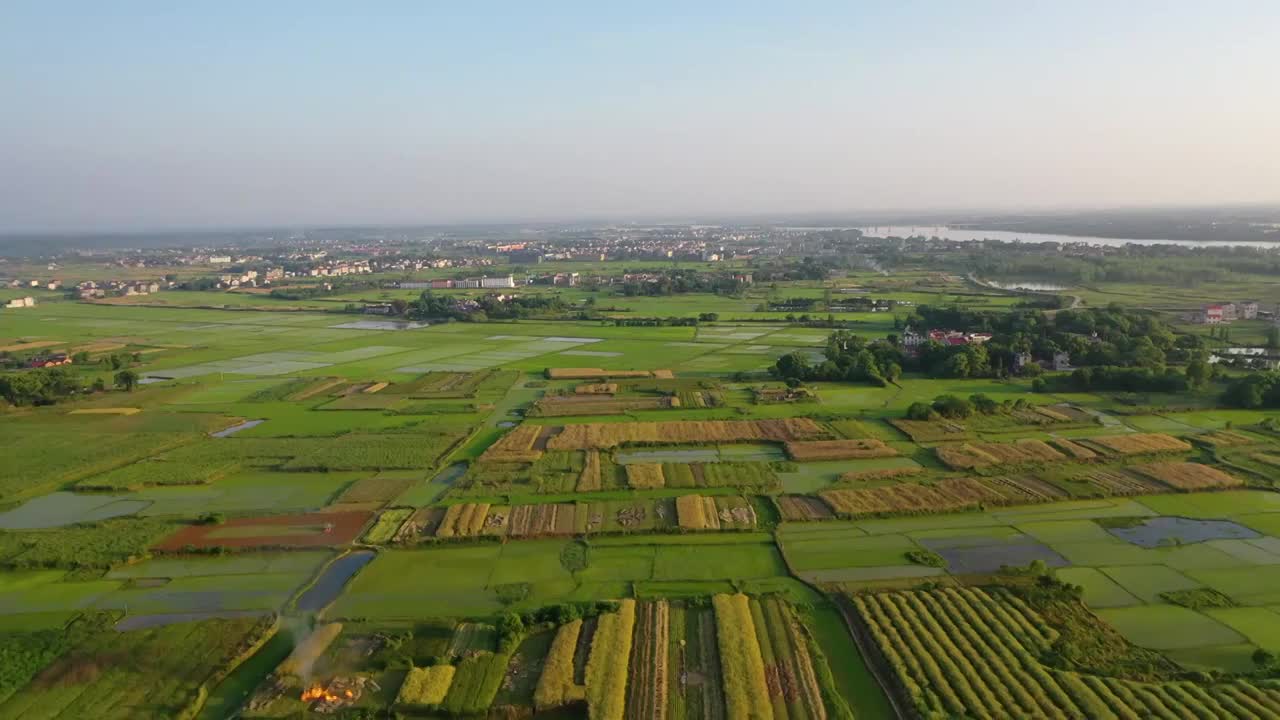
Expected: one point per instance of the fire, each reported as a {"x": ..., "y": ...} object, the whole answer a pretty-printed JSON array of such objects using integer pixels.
[{"x": 316, "y": 692}]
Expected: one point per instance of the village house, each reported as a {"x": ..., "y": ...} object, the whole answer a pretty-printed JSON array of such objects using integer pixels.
[
  {"x": 49, "y": 360},
  {"x": 21, "y": 302}
]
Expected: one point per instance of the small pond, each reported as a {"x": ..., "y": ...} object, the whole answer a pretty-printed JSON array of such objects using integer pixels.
[
  {"x": 1163, "y": 531},
  {"x": 237, "y": 428},
  {"x": 318, "y": 596}
]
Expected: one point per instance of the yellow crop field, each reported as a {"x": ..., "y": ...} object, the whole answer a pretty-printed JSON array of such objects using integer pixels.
[
  {"x": 645, "y": 476},
  {"x": 515, "y": 446}
]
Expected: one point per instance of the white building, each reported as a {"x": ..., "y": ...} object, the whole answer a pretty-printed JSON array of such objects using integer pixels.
[
  {"x": 507, "y": 281},
  {"x": 21, "y": 302}
]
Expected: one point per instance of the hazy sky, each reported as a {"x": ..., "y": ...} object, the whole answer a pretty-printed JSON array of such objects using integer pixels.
[{"x": 131, "y": 114}]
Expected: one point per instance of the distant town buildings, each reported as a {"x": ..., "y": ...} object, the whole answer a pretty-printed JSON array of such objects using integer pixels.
[{"x": 22, "y": 302}]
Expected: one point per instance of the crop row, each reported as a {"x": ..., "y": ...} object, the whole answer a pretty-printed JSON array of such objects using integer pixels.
[
  {"x": 463, "y": 520},
  {"x": 746, "y": 689},
  {"x": 607, "y": 664},
  {"x": 476, "y": 683},
  {"x": 973, "y": 653},
  {"x": 426, "y": 687},
  {"x": 555, "y": 684},
  {"x": 648, "y": 683}
]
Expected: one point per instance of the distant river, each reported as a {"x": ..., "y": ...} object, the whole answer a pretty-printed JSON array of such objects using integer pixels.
[{"x": 963, "y": 235}]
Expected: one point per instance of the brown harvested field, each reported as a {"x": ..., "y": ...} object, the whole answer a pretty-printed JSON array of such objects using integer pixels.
[
  {"x": 645, "y": 476},
  {"x": 947, "y": 495},
  {"x": 969, "y": 456},
  {"x": 881, "y": 474},
  {"x": 596, "y": 389},
  {"x": 1225, "y": 438},
  {"x": 598, "y": 373},
  {"x": 647, "y": 681},
  {"x": 799, "y": 508},
  {"x": 1138, "y": 443},
  {"x": 931, "y": 430},
  {"x": 423, "y": 523},
  {"x": 1187, "y": 475},
  {"x": 519, "y": 445},
  {"x": 603, "y": 436},
  {"x": 293, "y": 531},
  {"x": 376, "y": 387},
  {"x": 1117, "y": 481},
  {"x": 838, "y": 450},
  {"x": 546, "y": 519},
  {"x": 589, "y": 480},
  {"x": 1074, "y": 450},
  {"x": 569, "y": 405}
]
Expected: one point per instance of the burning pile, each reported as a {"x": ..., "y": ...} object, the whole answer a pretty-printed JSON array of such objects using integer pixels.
[{"x": 337, "y": 694}]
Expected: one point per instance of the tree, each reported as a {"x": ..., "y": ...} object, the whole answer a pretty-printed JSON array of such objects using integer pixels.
[
  {"x": 1039, "y": 385},
  {"x": 892, "y": 371},
  {"x": 1273, "y": 337},
  {"x": 126, "y": 380},
  {"x": 399, "y": 307},
  {"x": 919, "y": 411},
  {"x": 1198, "y": 373},
  {"x": 952, "y": 406}
]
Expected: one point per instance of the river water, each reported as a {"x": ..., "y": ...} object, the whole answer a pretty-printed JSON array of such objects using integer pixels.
[{"x": 964, "y": 235}]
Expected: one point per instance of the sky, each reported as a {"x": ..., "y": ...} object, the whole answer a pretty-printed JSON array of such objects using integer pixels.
[{"x": 136, "y": 115}]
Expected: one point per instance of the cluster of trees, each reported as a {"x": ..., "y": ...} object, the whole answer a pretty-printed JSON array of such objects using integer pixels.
[
  {"x": 1197, "y": 374},
  {"x": 657, "y": 322},
  {"x": 479, "y": 309},
  {"x": 955, "y": 407},
  {"x": 1111, "y": 336},
  {"x": 848, "y": 357},
  {"x": 807, "y": 269},
  {"x": 46, "y": 386},
  {"x": 678, "y": 281},
  {"x": 1257, "y": 390}
]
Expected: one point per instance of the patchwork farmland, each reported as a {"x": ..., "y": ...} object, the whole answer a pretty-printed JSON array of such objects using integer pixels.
[{"x": 309, "y": 516}]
